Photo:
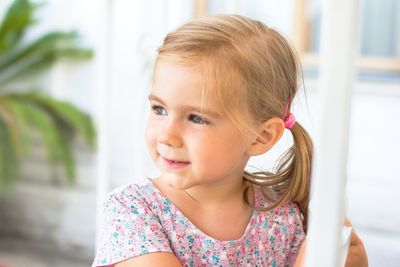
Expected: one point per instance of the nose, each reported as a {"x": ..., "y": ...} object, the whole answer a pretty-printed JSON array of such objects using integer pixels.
[{"x": 169, "y": 133}]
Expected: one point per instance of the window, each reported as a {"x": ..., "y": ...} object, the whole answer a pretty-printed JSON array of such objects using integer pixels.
[
  {"x": 379, "y": 35},
  {"x": 300, "y": 20}
]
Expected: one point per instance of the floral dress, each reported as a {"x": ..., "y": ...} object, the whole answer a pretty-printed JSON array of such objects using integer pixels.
[{"x": 139, "y": 219}]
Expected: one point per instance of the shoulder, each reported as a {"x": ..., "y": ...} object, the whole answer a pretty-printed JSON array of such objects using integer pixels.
[
  {"x": 133, "y": 203},
  {"x": 289, "y": 211},
  {"x": 137, "y": 189},
  {"x": 290, "y": 215},
  {"x": 286, "y": 216},
  {"x": 292, "y": 224},
  {"x": 130, "y": 196},
  {"x": 130, "y": 227},
  {"x": 289, "y": 221}
]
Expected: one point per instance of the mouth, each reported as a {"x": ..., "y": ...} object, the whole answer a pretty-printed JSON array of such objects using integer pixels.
[{"x": 174, "y": 164}]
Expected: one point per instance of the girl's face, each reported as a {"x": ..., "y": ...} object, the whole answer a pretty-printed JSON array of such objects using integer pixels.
[{"x": 190, "y": 145}]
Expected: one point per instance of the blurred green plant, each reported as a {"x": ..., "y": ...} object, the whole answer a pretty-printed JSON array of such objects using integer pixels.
[{"x": 28, "y": 113}]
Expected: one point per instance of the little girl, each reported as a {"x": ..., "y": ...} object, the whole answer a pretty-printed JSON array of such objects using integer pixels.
[{"x": 222, "y": 91}]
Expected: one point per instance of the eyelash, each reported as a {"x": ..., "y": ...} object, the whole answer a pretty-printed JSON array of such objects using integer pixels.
[
  {"x": 156, "y": 108},
  {"x": 203, "y": 121},
  {"x": 192, "y": 117}
]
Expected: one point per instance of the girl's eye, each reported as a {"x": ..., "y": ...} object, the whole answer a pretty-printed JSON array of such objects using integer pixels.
[
  {"x": 159, "y": 110},
  {"x": 196, "y": 119}
]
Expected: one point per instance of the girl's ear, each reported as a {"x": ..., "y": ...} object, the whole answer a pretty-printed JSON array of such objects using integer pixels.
[{"x": 269, "y": 132}]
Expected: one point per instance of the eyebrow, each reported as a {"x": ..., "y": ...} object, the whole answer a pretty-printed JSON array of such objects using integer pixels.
[{"x": 187, "y": 107}]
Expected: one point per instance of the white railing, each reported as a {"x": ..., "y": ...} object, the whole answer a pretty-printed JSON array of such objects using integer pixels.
[{"x": 337, "y": 73}]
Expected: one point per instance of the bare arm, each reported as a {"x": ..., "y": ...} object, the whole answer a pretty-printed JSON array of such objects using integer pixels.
[
  {"x": 156, "y": 259},
  {"x": 300, "y": 257},
  {"x": 356, "y": 257}
]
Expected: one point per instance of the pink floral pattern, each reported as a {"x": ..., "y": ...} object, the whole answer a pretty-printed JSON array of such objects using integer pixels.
[{"x": 139, "y": 219}]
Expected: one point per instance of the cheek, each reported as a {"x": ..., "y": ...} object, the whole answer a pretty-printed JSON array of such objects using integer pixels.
[
  {"x": 208, "y": 148},
  {"x": 228, "y": 148},
  {"x": 151, "y": 134}
]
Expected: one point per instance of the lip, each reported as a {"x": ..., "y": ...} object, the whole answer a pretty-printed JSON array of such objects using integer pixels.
[{"x": 174, "y": 164}]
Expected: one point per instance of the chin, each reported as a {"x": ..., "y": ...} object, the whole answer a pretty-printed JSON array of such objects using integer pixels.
[{"x": 176, "y": 182}]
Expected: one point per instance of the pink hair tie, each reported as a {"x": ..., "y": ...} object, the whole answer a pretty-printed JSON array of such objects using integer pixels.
[{"x": 290, "y": 120}]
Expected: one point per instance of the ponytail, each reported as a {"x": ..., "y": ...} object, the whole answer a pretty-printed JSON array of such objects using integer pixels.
[{"x": 292, "y": 180}]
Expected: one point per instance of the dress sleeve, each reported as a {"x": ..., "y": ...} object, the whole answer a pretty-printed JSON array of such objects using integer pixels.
[
  {"x": 129, "y": 229},
  {"x": 297, "y": 233}
]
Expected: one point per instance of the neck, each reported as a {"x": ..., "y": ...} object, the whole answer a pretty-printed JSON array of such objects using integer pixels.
[{"x": 216, "y": 194}]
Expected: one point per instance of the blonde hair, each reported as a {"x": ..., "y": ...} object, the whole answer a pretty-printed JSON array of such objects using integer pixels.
[{"x": 261, "y": 71}]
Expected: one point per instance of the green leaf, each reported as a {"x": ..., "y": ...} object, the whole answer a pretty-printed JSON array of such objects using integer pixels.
[
  {"x": 40, "y": 45},
  {"x": 11, "y": 123},
  {"x": 17, "y": 18},
  {"x": 73, "y": 53},
  {"x": 57, "y": 146},
  {"x": 41, "y": 60},
  {"x": 28, "y": 65},
  {"x": 20, "y": 124},
  {"x": 79, "y": 122},
  {"x": 9, "y": 163}
]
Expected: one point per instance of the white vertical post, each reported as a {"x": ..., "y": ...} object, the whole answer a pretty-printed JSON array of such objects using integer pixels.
[
  {"x": 102, "y": 86},
  {"x": 337, "y": 71}
]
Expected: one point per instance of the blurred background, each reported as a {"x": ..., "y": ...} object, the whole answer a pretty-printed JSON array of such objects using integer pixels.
[{"x": 74, "y": 79}]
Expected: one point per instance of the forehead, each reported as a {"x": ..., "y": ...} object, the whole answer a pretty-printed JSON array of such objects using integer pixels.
[
  {"x": 182, "y": 84},
  {"x": 170, "y": 72}
]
